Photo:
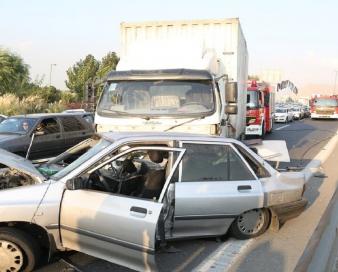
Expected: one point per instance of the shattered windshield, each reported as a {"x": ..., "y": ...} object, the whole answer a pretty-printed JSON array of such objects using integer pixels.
[
  {"x": 157, "y": 98},
  {"x": 16, "y": 125},
  {"x": 97, "y": 146}
]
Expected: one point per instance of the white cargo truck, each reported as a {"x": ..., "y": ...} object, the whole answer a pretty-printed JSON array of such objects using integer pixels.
[{"x": 183, "y": 76}]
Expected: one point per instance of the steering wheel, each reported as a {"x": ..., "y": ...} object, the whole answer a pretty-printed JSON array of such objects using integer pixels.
[{"x": 100, "y": 181}]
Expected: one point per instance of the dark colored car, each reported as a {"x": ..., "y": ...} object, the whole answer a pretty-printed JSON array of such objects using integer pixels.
[
  {"x": 2, "y": 117},
  {"x": 53, "y": 133}
]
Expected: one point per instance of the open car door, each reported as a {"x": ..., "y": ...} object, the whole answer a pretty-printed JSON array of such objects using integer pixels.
[{"x": 118, "y": 228}]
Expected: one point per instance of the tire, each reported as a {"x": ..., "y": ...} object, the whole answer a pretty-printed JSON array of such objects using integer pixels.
[
  {"x": 263, "y": 131},
  {"x": 250, "y": 224},
  {"x": 22, "y": 250}
]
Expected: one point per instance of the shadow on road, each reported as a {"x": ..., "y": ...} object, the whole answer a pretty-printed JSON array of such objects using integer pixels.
[{"x": 275, "y": 259}]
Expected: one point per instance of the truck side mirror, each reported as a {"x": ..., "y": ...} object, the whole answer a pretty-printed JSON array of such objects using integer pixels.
[
  {"x": 231, "y": 91},
  {"x": 231, "y": 109}
]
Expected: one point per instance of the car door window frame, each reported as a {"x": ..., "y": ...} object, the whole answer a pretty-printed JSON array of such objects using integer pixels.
[
  {"x": 230, "y": 145},
  {"x": 181, "y": 152},
  {"x": 46, "y": 118}
]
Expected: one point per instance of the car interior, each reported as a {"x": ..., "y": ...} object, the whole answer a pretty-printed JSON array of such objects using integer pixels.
[{"x": 139, "y": 173}]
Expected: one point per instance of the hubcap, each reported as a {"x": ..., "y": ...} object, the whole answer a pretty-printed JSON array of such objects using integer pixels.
[
  {"x": 11, "y": 257},
  {"x": 251, "y": 221}
]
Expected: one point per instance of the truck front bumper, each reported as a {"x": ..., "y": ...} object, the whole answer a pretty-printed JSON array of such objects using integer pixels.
[
  {"x": 324, "y": 116},
  {"x": 253, "y": 130},
  {"x": 290, "y": 210}
]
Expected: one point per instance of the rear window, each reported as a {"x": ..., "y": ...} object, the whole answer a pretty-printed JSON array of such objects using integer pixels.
[{"x": 72, "y": 124}]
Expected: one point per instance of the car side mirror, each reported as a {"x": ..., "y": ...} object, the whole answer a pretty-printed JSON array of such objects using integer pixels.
[
  {"x": 75, "y": 184},
  {"x": 39, "y": 133},
  {"x": 231, "y": 109}
]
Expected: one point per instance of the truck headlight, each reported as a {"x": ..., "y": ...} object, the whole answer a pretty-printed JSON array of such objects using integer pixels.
[{"x": 252, "y": 121}]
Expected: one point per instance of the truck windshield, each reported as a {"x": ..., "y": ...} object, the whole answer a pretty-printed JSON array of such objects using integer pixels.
[
  {"x": 157, "y": 98},
  {"x": 252, "y": 100},
  {"x": 326, "y": 102}
]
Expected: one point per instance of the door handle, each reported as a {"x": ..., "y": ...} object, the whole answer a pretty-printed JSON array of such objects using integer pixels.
[
  {"x": 244, "y": 187},
  {"x": 138, "y": 211}
]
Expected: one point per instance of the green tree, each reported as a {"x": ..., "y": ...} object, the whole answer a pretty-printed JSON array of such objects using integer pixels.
[
  {"x": 107, "y": 64},
  {"x": 14, "y": 73},
  {"x": 80, "y": 73}
]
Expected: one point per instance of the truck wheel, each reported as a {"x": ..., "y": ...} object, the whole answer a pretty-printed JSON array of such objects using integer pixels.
[
  {"x": 250, "y": 224},
  {"x": 18, "y": 251},
  {"x": 263, "y": 131}
]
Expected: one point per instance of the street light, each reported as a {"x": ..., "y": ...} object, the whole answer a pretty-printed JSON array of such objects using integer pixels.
[{"x": 50, "y": 73}]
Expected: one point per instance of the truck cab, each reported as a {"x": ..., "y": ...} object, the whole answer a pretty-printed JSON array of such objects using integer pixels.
[
  {"x": 260, "y": 109},
  {"x": 186, "y": 80}
]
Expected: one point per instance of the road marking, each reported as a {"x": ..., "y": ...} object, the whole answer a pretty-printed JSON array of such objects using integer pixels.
[
  {"x": 282, "y": 127},
  {"x": 189, "y": 260},
  {"x": 228, "y": 253}
]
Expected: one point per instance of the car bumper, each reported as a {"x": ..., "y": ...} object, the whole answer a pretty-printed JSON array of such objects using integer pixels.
[
  {"x": 289, "y": 210},
  {"x": 280, "y": 119},
  {"x": 253, "y": 130}
]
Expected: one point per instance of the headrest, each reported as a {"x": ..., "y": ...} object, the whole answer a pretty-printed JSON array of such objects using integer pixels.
[{"x": 155, "y": 156}]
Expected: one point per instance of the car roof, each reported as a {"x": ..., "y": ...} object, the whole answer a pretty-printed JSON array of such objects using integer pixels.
[
  {"x": 41, "y": 115},
  {"x": 163, "y": 136}
]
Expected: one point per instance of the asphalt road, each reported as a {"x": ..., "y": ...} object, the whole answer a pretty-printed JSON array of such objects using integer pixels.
[{"x": 305, "y": 138}]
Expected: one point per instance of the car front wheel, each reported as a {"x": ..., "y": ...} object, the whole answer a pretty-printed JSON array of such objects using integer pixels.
[
  {"x": 250, "y": 224},
  {"x": 18, "y": 251}
]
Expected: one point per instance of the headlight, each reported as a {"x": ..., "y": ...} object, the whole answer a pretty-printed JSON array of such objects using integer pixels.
[{"x": 252, "y": 121}]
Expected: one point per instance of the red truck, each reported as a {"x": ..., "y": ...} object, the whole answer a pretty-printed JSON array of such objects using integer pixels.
[
  {"x": 260, "y": 108},
  {"x": 324, "y": 107}
]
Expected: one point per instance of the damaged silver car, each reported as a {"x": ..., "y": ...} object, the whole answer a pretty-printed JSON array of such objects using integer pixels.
[{"x": 124, "y": 196}]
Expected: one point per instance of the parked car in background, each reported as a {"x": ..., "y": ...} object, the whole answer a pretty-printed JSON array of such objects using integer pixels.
[
  {"x": 132, "y": 192},
  {"x": 283, "y": 115},
  {"x": 297, "y": 113},
  {"x": 306, "y": 111},
  {"x": 52, "y": 133},
  {"x": 2, "y": 117}
]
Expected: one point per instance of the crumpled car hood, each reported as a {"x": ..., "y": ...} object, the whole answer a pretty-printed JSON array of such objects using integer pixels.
[{"x": 19, "y": 163}]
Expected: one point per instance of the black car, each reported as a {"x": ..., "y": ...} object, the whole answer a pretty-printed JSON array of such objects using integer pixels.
[
  {"x": 52, "y": 133},
  {"x": 2, "y": 117}
]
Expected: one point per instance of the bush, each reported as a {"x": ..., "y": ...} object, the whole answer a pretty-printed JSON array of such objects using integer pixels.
[{"x": 10, "y": 104}]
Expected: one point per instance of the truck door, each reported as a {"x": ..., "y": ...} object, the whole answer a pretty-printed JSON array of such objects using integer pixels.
[
  {"x": 215, "y": 186},
  {"x": 119, "y": 227}
]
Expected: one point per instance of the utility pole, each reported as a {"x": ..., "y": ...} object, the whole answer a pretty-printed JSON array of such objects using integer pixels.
[
  {"x": 50, "y": 73},
  {"x": 335, "y": 82}
]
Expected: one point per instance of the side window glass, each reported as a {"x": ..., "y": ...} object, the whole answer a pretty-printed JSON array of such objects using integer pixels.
[
  {"x": 48, "y": 126},
  {"x": 139, "y": 173},
  {"x": 238, "y": 169},
  {"x": 258, "y": 168},
  {"x": 72, "y": 124},
  {"x": 205, "y": 162}
]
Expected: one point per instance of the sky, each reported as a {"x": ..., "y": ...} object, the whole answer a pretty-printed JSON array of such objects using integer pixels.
[{"x": 299, "y": 38}]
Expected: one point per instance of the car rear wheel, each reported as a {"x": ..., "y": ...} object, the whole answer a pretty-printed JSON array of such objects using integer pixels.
[
  {"x": 18, "y": 251},
  {"x": 250, "y": 224}
]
